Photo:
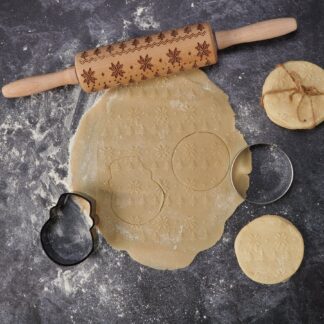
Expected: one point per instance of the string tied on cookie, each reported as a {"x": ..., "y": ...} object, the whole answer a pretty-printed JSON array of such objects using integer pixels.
[{"x": 298, "y": 89}]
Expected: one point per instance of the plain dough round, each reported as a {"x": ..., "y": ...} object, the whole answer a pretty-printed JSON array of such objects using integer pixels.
[
  {"x": 122, "y": 157},
  {"x": 293, "y": 95},
  {"x": 269, "y": 249}
]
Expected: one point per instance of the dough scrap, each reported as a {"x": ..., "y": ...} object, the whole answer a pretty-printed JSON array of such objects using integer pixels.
[
  {"x": 155, "y": 156},
  {"x": 269, "y": 249},
  {"x": 293, "y": 95}
]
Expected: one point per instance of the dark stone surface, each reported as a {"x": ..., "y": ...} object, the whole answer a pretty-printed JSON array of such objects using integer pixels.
[{"x": 41, "y": 36}]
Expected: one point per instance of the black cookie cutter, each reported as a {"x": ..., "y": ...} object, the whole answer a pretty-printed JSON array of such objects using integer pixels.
[{"x": 82, "y": 238}]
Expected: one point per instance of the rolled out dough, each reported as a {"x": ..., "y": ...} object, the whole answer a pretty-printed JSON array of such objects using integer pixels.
[
  {"x": 156, "y": 158},
  {"x": 293, "y": 95},
  {"x": 269, "y": 249}
]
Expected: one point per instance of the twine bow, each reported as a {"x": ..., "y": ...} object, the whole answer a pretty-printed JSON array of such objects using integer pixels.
[{"x": 298, "y": 89}]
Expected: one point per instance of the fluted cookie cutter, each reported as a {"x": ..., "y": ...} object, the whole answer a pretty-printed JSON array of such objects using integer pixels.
[
  {"x": 69, "y": 236},
  {"x": 270, "y": 177}
]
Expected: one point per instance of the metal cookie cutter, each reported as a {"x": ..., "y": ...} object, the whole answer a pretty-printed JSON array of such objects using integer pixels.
[
  {"x": 271, "y": 175},
  {"x": 70, "y": 235}
]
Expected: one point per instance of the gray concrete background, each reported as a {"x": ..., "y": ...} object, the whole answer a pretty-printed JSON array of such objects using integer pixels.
[{"x": 42, "y": 36}]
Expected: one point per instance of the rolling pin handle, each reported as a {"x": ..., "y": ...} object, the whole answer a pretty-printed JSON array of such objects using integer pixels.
[
  {"x": 39, "y": 83},
  {"x": 259, "y": 31}
]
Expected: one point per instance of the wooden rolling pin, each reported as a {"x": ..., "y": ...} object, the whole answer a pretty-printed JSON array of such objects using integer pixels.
[{"x": 147, "y": 57}]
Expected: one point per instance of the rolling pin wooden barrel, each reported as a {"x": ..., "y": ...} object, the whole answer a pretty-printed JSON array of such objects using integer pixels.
[{"x": 150, "y": 56}]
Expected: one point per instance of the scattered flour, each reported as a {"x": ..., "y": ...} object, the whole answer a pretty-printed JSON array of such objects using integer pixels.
[
  {"x": 69, "y": 281},
  {"x": 144, "y": 19},
  {"x": 126, "y": 24}
]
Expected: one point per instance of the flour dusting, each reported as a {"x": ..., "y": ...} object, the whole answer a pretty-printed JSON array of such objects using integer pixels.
[
  {"x": 144, "y": 19},
  {"x": 126, "y": 25}
]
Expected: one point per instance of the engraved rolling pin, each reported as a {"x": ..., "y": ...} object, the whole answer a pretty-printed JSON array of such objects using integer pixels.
[{"x": 147, "y": 57}]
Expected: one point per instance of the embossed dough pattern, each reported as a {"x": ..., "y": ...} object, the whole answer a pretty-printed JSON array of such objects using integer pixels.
[
  {"x": 269, "y": 249},
  {"x": 122, "y": 156}
]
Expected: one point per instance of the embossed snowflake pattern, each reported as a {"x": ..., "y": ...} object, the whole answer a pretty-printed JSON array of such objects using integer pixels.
[
  {"x": 190, "y": 151},
  {"x": 145, "y": 63},
  {"x": 135, "y": 149},
  {"x": 161, "y": 151},
  {"x": 161, "y": 114},
  {"x": 136, "y": 113},
  {"x": 88, "y": 76},
  {"x": 281, "y": 240},
  {"x": 202, "y": 49},
  {"x": 192, "y": 182},
  {"x": 117, "y": 69},
  {"x": 255, "y": 241},
  {"x": 174, "y": 56}
]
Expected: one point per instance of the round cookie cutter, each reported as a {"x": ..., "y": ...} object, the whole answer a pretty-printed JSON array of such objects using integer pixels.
[
  {"x": 271, "y": 175},
  {"x": 69, "y": 236}
]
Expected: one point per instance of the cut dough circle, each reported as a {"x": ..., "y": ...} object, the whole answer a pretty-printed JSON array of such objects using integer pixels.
[
  {"x": 126, "y": 155},
  {"x": 269, "y": 249},
  {"x": 201, "y": 161},
  {"x": 293, "y": 95},
  {"x": 136, "y": 197}
]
